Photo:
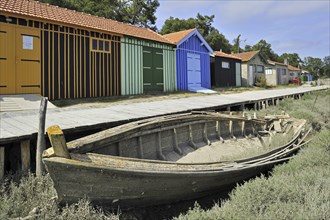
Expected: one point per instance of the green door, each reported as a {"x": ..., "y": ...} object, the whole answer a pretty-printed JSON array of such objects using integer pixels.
[{"x": 153, "y": 69}]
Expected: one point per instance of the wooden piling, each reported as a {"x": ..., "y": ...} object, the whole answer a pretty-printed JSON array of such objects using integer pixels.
[
  {"x": 25, "y": 155},
  {"x": 58, "y": 142},
  {"x": 41, "y": 142},
  {"x": 2, "y": 162}
]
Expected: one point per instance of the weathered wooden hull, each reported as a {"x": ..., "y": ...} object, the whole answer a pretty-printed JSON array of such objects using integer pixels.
[
  {"x": 127, "y": 188},
  {"x": 140, "y": 164}
]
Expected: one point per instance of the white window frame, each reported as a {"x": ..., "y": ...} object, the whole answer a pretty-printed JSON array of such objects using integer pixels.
[{"x": 225, "y": 65}]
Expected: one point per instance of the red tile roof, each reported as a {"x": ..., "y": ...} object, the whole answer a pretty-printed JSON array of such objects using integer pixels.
[
  {"x": 276, "y": 63},
  {"x": 176, "y": 37},
  {"x": 292, "y": 68},
  {"x": 246, "y": 56},
  {"x": 52, "y": 13},
  {"x": 226, "y": 55}
]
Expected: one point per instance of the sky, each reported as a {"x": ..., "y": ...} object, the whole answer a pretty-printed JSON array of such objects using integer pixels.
[{"x": 290, "y": 26}]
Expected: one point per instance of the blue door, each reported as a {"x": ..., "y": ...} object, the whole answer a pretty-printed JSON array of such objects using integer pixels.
[{"x": 194, "y": 70}]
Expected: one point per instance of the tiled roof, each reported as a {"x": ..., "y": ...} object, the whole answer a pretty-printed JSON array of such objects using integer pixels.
[
  {"x": 276, "y": 63},
  {"x": 176, "y": 37},
  {"x": 246, "y": 56},
  {"x": 52, "y": 13},
  {"x": 226, "y": 55},
  {"x": 292, "y": 68}
]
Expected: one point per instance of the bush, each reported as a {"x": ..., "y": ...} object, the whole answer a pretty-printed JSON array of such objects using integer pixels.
[
  {"x": 261, "y": 82},
  {"x": 36, "y": 197}
]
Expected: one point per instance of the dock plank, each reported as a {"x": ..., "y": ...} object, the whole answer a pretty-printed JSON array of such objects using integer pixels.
[{"x": 24, "y": 123}]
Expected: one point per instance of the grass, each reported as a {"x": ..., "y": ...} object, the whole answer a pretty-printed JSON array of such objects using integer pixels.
[
  {"x": 36, "y": 197},
  {"x": 299, "y": 189}
]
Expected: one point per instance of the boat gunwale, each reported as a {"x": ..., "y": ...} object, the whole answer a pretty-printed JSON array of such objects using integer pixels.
[{"x": 83, "y": 144}]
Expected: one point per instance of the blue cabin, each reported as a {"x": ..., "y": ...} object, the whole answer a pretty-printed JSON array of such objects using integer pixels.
[{"x": 192, "y": 60}]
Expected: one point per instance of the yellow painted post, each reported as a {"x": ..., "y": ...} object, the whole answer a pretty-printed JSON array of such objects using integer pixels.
[{"x": 58, "y": 142}]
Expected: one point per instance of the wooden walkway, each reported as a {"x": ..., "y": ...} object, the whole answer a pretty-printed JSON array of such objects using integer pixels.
[{"x": 16, "y": 126}]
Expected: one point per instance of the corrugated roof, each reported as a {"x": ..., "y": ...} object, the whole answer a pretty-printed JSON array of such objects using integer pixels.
[
  {"x": 48, "y": 12},
  {"x": 226, "y": 55},
  {"x": 246, "y": 56},
  {"x": 176, "y": 37}
]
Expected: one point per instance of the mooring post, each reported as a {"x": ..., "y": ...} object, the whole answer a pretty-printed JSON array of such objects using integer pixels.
[
  {"x": 41, "y": 142},
  {"x": 25, "y": 155},
  {"x": 267, "y": 104},
  {"x": 277, "y": 101},
  {"x": 255, "y": 106},
  {"x": 58, "y": 142},
  {"x": 2, "y": 162},
  {"x": 263, "y": 106},
  {"x": 273, "y": 102}
]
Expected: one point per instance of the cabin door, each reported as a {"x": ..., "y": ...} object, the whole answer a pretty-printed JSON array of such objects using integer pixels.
[
  {"x": 20, "y": 60},
  {"x": 7, "y": 59},
  {"x": 194, "y": 70},
  {"x": 238, "y": 74},
  {"x": 278, "y": 74},
  {"x": 251, "y": 75},
  {"x": 153, "y": 79}
]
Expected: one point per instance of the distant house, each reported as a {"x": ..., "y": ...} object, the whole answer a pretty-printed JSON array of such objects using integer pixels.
[
  {"x": 192, "y": 60},
  {"x": 225, "y": 70},
  {"x": 293, "y": 72},
  {"x": 253, "y": 66},
  {"x": 276, "y": 73},
  {"x": 306, "y": 76}
]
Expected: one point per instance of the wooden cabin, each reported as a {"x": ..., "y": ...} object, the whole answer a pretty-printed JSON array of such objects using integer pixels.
[
  {"x": 192, "y": 60},
  {"x": 225, "y": 70},
  {"x": 61, "y": 53},
  {"x": 277, "y": 73},
  {"x": 253, "y": 66}
]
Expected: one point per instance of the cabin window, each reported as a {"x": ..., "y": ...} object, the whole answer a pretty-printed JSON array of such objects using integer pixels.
[
  {"x": 101, "y": 45},
  {"x": 225, "y": 64},
  {"x": 260, "y": 69},
  {"x": 269, "y": 71},
  {"x": 283, "y": 72}
]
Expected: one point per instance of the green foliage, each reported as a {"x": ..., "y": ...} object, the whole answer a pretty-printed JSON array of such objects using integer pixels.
[
  {"x": 203, "y": 23},
  {"x": 137, "y": 12},
  {"x": 36, "y": 197},
  {"x": 218, "y": 41},
  {"x": 313, "y": 65},
  {"x": 325, "y": 71},
  {"x": 292, "y": 58},
  {"x": 261, "y": 82}
]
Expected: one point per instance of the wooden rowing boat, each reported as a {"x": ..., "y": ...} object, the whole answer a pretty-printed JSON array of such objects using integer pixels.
[{"x": 170, "y": 158}]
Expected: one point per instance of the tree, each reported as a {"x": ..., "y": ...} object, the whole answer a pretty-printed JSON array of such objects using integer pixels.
[
  {"x": 266, "y": 50},
  {"x": 203, "y": 23},
  {"x": 218, "y": 41},
  {"x": 313, "y": 65},
  {"x": 326, "y": 67},
  {"x": 292, "y": 58},
  {"x": 137, "y": 12}
]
